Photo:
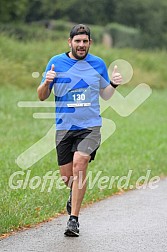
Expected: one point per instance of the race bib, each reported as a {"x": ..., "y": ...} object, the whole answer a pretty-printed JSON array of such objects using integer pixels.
[{"x": 80, "y": 97}]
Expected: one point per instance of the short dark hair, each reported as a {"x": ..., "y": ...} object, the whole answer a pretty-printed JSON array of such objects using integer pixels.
[{"x": 80, "y": 29}]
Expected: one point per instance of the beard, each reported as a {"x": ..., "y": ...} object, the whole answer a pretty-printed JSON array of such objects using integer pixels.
[{"x": 80, "y": 52}]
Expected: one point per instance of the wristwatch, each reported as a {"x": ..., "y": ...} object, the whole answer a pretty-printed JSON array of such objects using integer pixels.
[{"x": 113, "y": 85}]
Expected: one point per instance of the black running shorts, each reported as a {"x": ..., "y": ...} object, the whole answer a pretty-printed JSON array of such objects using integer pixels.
[{"x": 84, "y": 140}]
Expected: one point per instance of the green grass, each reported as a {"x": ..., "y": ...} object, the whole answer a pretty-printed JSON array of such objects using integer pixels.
[
  {"x": 24, "y": 58},
  {"x": 138, "y": 144}
]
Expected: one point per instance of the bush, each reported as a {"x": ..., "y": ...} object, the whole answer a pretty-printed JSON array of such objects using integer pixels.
[
  {"x": 34, "y": 31},
  {"x": 96, "y": 33},
  {"x": 123, "y": 36}
]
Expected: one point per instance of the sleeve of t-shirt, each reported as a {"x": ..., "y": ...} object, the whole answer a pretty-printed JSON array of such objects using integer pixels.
[
  {"x": 104, "y": 79},
  {"x": 48, "y": 67}
]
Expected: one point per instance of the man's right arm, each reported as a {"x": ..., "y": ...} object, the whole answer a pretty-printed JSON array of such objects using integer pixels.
[{"x": 44, "y": 89}]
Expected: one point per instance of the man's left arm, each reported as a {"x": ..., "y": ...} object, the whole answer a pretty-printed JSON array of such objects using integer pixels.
[{"x": 106, "y": 93}]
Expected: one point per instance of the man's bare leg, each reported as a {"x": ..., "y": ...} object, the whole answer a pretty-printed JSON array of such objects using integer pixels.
[
  {"x": 66, "y": 172},
  {"x": 80, "y": 163}
]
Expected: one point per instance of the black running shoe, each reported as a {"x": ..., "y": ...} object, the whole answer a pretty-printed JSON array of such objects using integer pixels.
[
  {"x": 72, "y": 228},
  {"x": 68, "y": 205}
]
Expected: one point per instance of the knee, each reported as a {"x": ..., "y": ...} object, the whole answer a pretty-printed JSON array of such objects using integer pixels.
[{"x": 80, "y": 165}]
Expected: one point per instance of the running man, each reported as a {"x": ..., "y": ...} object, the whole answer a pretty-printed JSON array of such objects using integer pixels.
[{"x": 78, "y": 79}]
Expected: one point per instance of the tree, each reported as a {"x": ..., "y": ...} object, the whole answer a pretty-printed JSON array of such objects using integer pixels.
[
  {"x": 13, "y": 10},
  {"x": 149, "y": 16}
]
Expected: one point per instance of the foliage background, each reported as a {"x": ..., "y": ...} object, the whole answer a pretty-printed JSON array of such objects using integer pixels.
[
  {"x": 148, "y": 17},
  {"x": 33, "y": 31}
]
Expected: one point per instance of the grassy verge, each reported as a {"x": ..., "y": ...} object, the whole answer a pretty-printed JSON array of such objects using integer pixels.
[
  {"x": 24, "y": 58},
  {"x": 138, "y": 144}
]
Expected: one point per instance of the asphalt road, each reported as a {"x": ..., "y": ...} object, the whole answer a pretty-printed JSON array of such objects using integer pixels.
[{"x": 134, "y": 221}]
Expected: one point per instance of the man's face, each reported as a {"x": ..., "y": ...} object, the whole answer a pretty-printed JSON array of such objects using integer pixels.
[{"x": 80, "y": 45}]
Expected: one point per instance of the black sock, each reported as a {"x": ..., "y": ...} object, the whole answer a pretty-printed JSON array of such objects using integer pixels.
[{"x": 73, "y": 217}]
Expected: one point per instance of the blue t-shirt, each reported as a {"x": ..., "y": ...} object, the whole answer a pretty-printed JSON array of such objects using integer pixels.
[{"x": 76, "y": 88}]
